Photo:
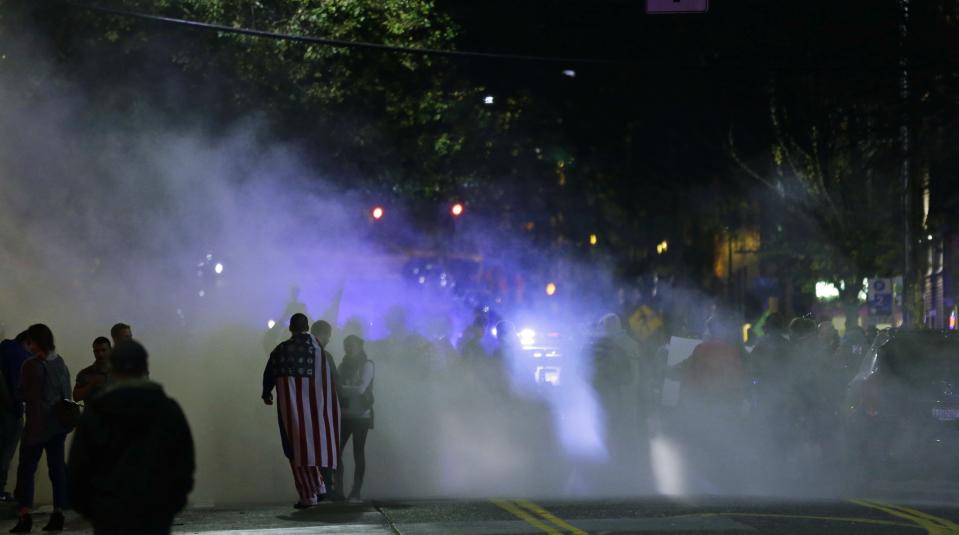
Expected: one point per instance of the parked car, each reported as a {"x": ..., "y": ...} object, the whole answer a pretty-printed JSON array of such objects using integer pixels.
[{"x": 901, "y": 413}]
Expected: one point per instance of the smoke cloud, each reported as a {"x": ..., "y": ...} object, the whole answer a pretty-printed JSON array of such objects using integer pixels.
[{"x": 201, "y": 237}]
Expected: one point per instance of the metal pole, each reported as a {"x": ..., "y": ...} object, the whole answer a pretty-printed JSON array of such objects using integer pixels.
[
  {"x": 907, "y": 278},
  {"x": 729, "y": 259}
]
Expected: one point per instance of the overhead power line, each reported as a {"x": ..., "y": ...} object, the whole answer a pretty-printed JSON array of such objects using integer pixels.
[
  {"x": 340, "y": 43},
  {"x": 771, "y": 60}
]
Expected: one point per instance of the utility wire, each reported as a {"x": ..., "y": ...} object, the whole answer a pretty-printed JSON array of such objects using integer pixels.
[
  {"x": 768, "y": 63},
  {"x": 340, "y": 43}
]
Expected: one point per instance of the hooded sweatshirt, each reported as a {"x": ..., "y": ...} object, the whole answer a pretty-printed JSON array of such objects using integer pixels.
[{"x": 132, "y": 461}]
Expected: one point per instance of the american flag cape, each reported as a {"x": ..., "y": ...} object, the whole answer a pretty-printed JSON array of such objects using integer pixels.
[{"x": 306, "y": 402}]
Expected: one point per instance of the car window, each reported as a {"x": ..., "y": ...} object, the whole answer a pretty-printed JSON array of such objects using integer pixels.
[{"x": 922, "y": 360}]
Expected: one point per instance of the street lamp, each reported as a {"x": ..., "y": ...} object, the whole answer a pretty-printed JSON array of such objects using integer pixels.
[
  {"x": 457, "y": 209},
  {"x": 377, "y": 212},
  {"x": 593, "y": 239}
]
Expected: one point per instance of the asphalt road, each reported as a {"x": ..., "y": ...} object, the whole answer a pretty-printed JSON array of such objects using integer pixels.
[{"x": 503, "y": 516}]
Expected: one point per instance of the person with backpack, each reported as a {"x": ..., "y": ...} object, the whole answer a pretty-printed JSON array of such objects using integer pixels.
[
  {"x": 615, "y": 359},
  {"x": 356, "y": 374},
  {"x": 132, "y": 459},
  {"x": 44, "y": 384}
]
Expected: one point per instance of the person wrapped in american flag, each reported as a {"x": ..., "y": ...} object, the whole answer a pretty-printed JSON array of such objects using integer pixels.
[{"x": 307, "y": 408}]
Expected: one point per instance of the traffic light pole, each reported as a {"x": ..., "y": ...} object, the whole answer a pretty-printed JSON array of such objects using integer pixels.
[{"x": 908, "y": 281}]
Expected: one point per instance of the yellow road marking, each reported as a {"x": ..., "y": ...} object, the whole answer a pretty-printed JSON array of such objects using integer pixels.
[
  {"x": 852, "y": 520},
  {"x": 525, "y": 517},
  {"x": 932, "y": 528},
  {"x": 558, "y": 522},
  {"x": 932, "y": 524},
  {"x": 950, "y": 526}
]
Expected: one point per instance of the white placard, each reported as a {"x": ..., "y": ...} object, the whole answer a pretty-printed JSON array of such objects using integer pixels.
[{"x": 679, "y": 350}]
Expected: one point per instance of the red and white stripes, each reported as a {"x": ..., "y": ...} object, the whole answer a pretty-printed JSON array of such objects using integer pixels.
[
  {"x": 309, "y": 483},
  {"x": 310, "y": 415}
]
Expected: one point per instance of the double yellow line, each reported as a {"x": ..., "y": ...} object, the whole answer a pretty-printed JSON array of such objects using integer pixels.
[
  {"x": 933, "y": 525},
  {"x": 538, "y": 517}
]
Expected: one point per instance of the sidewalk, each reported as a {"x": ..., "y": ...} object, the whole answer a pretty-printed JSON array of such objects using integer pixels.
[{"x": 361, "y": 519}]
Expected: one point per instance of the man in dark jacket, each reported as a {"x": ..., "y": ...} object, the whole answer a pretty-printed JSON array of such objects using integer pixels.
[
  {"x": 323, "y": 332},
  {"x": 13, "y": 353},
  {"x": 131, "y": 463}
]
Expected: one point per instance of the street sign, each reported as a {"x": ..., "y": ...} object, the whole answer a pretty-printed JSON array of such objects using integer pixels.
[
  {"x": 880, "y": 297},
  {"x": 676, "y": 6}
]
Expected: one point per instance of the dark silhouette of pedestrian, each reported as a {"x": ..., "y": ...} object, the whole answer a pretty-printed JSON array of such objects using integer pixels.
[
  {"x": 95, "y": 376},
  {"x": 121, "y": 332},
  {"x": 307, "y": 409},
  {"x": 809, "y": 401},
  {"x": 44, "y": 382},
  {"x": 323, "y": 332},
  {"x": 13, "y": 353},
  {"x": 356, "y": 398},
  {"x": 768, "y": 367},
  {"x": 132, "y": 459}
]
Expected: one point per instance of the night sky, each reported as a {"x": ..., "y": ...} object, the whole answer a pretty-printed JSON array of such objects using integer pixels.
[{"x": 644, "y": 125}]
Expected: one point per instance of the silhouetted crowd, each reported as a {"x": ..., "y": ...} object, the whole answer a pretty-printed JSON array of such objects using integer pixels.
[
  {"x": 131, "y": 461},
  {"x": 775, "y": 401}
]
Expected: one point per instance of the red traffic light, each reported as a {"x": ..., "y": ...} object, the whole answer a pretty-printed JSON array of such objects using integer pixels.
[
  {"x": 377, "y": 213},
  {"x": 457, "y": 209}
]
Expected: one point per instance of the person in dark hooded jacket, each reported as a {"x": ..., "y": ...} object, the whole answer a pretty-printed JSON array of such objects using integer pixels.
[{"x": 131, "y": 462}]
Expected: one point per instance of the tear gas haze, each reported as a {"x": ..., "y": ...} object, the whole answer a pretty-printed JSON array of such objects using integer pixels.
[{"x": 201, "y": 240}]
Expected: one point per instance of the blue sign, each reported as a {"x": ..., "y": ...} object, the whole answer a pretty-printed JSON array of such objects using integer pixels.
[{"x": 880, "y": 297}]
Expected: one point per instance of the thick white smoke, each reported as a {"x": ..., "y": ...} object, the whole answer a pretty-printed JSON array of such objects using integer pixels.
[{"x": 197, "y": 240}]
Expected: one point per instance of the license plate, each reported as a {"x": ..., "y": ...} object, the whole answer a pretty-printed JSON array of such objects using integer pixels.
[{"x": 945, "y": 415}]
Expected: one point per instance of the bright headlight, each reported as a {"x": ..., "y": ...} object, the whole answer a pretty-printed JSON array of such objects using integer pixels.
[{"x": 527, "y": 337}]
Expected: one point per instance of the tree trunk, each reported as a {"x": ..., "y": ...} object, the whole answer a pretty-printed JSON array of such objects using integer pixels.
[
  {"x": 849, "y": 298},
  {"x": 851, "y": 311}
]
